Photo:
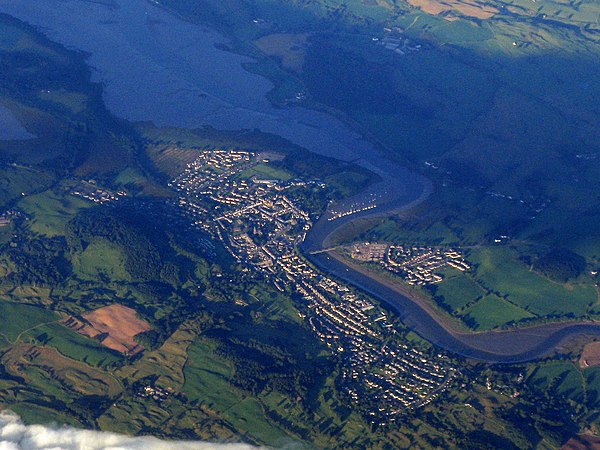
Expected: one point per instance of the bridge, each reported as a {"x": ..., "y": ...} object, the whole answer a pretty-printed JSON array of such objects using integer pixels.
[{"x": 323, "y": 250}]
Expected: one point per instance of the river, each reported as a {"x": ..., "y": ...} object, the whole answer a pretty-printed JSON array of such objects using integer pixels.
[
  {"x": 512, "y": 346},
  {"x": 157, "y": 67}
]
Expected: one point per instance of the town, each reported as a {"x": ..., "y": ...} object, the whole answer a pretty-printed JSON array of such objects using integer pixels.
[
  {"x": 416, "y": 265},
  {"x": 395, "y": 40},
  {"x": 89, "y": 191},
  {"x": 7, "y": 217},
  {"x": 261, "y": 222}
]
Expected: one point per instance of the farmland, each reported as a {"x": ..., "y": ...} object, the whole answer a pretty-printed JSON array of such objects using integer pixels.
[
  {"x": 566, "y": 379},
  {"x": 463, "y": 8},
  {"x": 73, "y": 345},
  {"x": 590, "y": 356},
  {"x": 497, "y": 287},
  {"x": 203, "y": 348},
  {"x": 488, "y": 129},
  {"x": 267, "y": 172},
  {"x": 209, "y": 381},
  {"x": 18, "y": 318},
  {"x": 100, "y": 258},
  {"x": 499, "y": 270},
  {"x": 492, "y": 311},
  {"x": 117, "y": 324},
  {"x": 47, "y": 367},
  {"x": 18, "y": 181},
  {"x": 51, "y": 211}
]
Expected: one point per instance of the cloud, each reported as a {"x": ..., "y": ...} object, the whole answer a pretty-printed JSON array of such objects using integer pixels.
[{"x": 15, "y": 435}]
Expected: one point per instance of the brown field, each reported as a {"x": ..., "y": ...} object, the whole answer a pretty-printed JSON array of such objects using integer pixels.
[
  {"x": 31, "y": 361},
  {"x": 590, "y": 356},
  {"x": 290, "y": 48},
  {"x": 468, "y": 8},
  {"x": 582, "y": 442},
  {"x": 171, "y": 159},
  {"x": 114, "y": 326}
]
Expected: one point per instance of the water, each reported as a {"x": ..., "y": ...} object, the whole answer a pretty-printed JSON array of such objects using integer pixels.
[
  {"x": 512, "y": 346},
  {"x": 10, "y": 128},
  {"x": 157, "y": 67}
]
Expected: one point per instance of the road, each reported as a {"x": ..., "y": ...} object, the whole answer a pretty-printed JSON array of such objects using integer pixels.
[{"x": 510, "y": 346}]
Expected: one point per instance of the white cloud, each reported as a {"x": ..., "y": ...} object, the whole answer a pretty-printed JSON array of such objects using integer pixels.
[{"x": 15, "y": 435}]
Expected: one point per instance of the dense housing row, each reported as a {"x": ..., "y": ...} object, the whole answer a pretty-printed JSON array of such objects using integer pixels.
[{"x": 261, "y": 226}]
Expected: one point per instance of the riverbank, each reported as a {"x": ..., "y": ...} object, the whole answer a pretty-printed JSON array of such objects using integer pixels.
[
  {"x": 144, "y": 56},
  {"x": 500, "y": 346},
  {"x": 452, "y": 324},
  {"x": 490, "y": 341}
]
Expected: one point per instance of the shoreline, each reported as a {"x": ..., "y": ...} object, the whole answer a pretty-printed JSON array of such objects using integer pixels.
[
  {"x": 514, "y": 345},
  {"x": 450, "y": 323}
]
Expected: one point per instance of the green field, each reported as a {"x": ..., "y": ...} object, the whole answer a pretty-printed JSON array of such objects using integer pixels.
[
  {"x": 51, "y": 211},
  {"x": 395, "y": 230},
  {"x": 500, "y": 289},
  {"x": 266, "y": 171},
  {"x": 563, "y": 378},
  {"x": 60, "y": 377},
  {"x": 492, "y": 311},
  {"x": 525, "y": 294},
  {"x": 208, "y": 379},
  {"x": 458, "y": 290},
  {"x": 74, "y": 345},
  {"x": 17, "y": 318},
  {"x": 35, "y": 414},
  {"x": 249, "y": 415},
  {"x": 592, "y": 379},
  {"x": 499, "y": 269},
  {"x": 17, "y": 181},
  {"x": 100, "y": 259}
]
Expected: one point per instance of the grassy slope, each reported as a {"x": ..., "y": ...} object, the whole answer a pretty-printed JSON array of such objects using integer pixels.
[
  {"x": 177, "y": 418},
  {"x": 17, "y": 318},
  {"x": 51, "y": 211},
  {"x": 74, "y": 345},
  {"x": 100, "y": 258},
  {"x": 499, "y": 269},
  {"x": 509, "y": 113},
  {"x": 208, "y": 380}
]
